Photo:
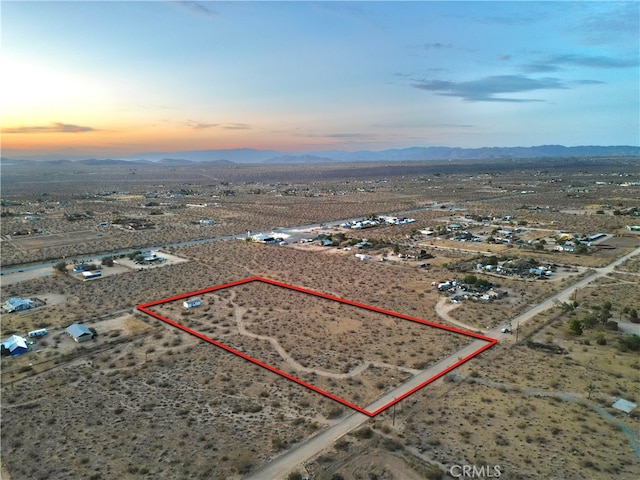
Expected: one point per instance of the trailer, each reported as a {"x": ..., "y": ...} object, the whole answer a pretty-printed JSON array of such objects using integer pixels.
[
  {"x": 91, "y": 274},
  {"x": 37, "y": 333}
]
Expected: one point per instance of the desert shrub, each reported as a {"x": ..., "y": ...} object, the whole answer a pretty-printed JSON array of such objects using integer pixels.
[
  {"x": 391, "y": 444},
  {"x": 342, "y": 444},
  {"x": 363, "y": 433},
  {"x": 611, "y": 325},
  {"x": 433, "y": 473},
  {"x": 244, "y": 463},
  {"x": 629, "y": 342},
  {"x": 278, "y": 444},
  {"x": 335, "y": 412}
]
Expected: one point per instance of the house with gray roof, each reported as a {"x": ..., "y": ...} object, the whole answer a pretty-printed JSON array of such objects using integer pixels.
[
  {"x": 15, "y": 304},
  {"x": 79, "y": 332}
]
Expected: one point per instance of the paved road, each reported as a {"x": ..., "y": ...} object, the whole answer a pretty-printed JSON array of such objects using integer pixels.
[
  {"x": 287, "y": 462},
  {"x": 568, "y": 293},
  {"x": 287, "y": 230}
]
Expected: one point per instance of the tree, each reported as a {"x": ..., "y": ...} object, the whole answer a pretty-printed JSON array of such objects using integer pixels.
[
  {"x": 470, "y": 279},
  {"x": 589, "y": 321},
  {"x": 492, "y": 260},
  {"x": 61, "y": 266},
  {"x": 575, "y": 326},
  {"x": 107, "y": 261},
  {"x": 633, "y": 315},
  {"x": 605, "y": 312},
  {"x": 590, "y": 389}
]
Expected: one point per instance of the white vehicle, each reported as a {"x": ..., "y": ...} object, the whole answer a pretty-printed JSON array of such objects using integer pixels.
[{"x": 505, "y": 330}]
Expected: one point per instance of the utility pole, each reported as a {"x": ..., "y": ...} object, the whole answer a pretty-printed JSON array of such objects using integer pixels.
[
  {"x": 517, "y": 330},
  {"x": 393, "y": 423}
]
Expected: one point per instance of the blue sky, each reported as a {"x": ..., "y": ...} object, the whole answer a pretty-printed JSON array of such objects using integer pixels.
[{"x": 117, "y": 78}]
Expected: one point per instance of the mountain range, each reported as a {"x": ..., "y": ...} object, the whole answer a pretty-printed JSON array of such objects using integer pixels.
[{"x": 248, "y": 155}]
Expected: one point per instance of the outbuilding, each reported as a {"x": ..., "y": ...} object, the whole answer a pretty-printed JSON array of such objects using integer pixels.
[
  {"x": 79, "y": 332},
  {"x": 91, "y": 274}
]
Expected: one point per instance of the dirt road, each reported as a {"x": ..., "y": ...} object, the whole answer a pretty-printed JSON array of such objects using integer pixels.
[
  {"x": 281, "y": 466},
  {"x": 286, "y": 463}
]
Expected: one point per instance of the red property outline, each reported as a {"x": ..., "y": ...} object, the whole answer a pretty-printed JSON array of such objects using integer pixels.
[{"x": 145, "y": 309}]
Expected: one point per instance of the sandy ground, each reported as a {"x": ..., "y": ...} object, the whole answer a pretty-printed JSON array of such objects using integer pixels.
[{"x": 17, "y": 277}]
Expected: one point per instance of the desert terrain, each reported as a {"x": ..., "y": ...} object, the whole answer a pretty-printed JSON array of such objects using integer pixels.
[{"x": 144, "y": 399}]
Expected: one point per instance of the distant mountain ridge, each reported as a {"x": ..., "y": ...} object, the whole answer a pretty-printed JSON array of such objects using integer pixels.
[{"x": 249, "y": 155}]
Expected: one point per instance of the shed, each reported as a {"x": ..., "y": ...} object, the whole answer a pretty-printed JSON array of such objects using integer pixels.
[
  {"x": 16, "y": 345},
  {"x": 79, "y": 332},
  {"x": 624, "y": 405},
  {"x": 196, "y": 302}
]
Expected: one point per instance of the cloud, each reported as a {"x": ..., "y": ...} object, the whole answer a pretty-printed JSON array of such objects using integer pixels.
[
  {"x": 539, "y": 68},
  {"x": 610, "y": 23},
  {"x": 53, "y": 128},
  {"x": 588, "y": 82},
  {"x": 504, "y": 58},
  {"x": 453, "y": 125},
  {"x": 226, "y": 126},
  {"x": 436, "y": 45},
  {"x": 554, "y": 63},
  {"x": 200, "y": 125},
  {"x": 350, "y": 12},
  {"x": 345, "y": 136},
  {"x": 487, "y": 89},
  {"x": 197, "y": 7},
  {"x": 348, "y": 135}
]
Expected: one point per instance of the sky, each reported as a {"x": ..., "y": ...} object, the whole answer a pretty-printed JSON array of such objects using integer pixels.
[{"x": 118, "y": 78}]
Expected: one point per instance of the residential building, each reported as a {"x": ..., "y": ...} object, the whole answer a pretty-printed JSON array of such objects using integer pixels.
[
  {"x": 16, "y": 345},
  {"x": 79, "y": 332},
  {"x": 16, "y": 304}
]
